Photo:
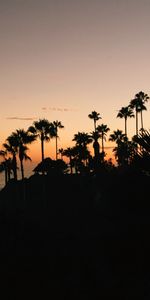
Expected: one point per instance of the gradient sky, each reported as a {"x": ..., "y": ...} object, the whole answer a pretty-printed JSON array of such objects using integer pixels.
[{"x": 62, "y": 59}]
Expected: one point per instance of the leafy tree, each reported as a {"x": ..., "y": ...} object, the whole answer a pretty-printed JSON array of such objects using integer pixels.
[{"x": 51, "y": 167}]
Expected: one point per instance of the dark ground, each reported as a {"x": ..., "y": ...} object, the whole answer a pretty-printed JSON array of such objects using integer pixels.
[{"x": 76, "y": 238}]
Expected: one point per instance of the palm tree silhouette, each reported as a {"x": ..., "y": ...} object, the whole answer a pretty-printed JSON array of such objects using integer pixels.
[
  {"x": 143, "y": 98},
  {"x": 125, "y": 112},
  {"x": 82, "y": 139},
  {"x": 138, "y": 104},
  {"x": 57, "y": 124},
  {"x": 143, "y": 139},
  {"x": 95, "y": 136},
  {"x": 117, "y": 136},
  {"x": 94, "y": 116},
  {"x": 5, "y": 165},
  {"x": 23, "y": 138},
  {"x": 124, "y": 149},
  {"x": 11, "y": 147},
  {"x": 61, "y": 152},
  {"x": 103, "y": 129},
  {"x": 70, "y": 153},
  {"x": 44, "y": 130}
]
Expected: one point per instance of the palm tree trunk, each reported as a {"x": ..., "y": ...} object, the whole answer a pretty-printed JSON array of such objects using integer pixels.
[
  {"x": 136, "y": 122},
  {"x": 22, "y": 169},
  {"x": 71, "y": 165},
  {"x": 9, "y": 173},
  {"x": 6, "y": 176},
  {"x": 125, "y": 126},
  {"x": 102, "y": 142},
  {"x": 15, "y": 167},
  {"x": 94, "y": 125},
  {"x": 56, "y": 148},
  {"x": 42, "y": 148},
  {"x": 142, "y": 121}
]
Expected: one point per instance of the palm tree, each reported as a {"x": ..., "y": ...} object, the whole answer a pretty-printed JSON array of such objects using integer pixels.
[
  {"x": 23, "y": 138},
  {"x": 124, "y": 149},
  {"x": 4, "y": 165},
  {"x": 125, "y": 112},
  {"x": 61, "y": 152},
  {"x": 143, "y": 98},
  {"x": 103, "y": 129},
  {"x": 143, "y": 139},
  {"x": 138, "y": 104},
  {"x": 142, "y": 157},
  {"x": 23, "y": 156},
  {"x": 11, "y": 146},
  {"x": 122, "y": 152},
  {"x": 70, "y": 153},
  {"x": 95, "y": 136},
  {"x": 44, "y": 130},
  {"x": 82, "y": 139},
  {"x": 117, "y": 136},
  {"x": 94, "y": 116},
  {"x": 57, "y": 124}
]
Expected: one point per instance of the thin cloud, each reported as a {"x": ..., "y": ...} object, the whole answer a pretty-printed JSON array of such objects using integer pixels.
[
  {"x": 62, "y": 109},
  {"x": 20, "y": 119}
]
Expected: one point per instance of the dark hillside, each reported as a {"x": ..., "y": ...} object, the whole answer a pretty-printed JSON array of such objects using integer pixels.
[{"x": 76, "y": 237}]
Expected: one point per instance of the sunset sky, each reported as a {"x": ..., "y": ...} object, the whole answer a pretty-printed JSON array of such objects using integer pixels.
[{"x": 62, "y": 59}]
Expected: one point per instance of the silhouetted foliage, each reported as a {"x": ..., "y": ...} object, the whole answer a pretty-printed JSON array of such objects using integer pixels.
[{"x": 49, "y": 166}]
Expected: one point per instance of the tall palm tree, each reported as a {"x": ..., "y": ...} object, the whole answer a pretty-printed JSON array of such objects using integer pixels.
[
  {"x": 143, "y": 98},
  {"x": 44, "y": 130},
  {"x": 103, "y": 129},
  {"x": 57, "y": 124},
  {"x": 138, "y": 104},
  {"x": 23, "y": 138},
  {"x": 125, "y": 112},
  {"x": 23, "y": 156},
  {"x": 94, "y": 116}
]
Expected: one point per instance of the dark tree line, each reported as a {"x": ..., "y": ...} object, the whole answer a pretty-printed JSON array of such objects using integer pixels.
[{"x": 127, "y": 152}]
